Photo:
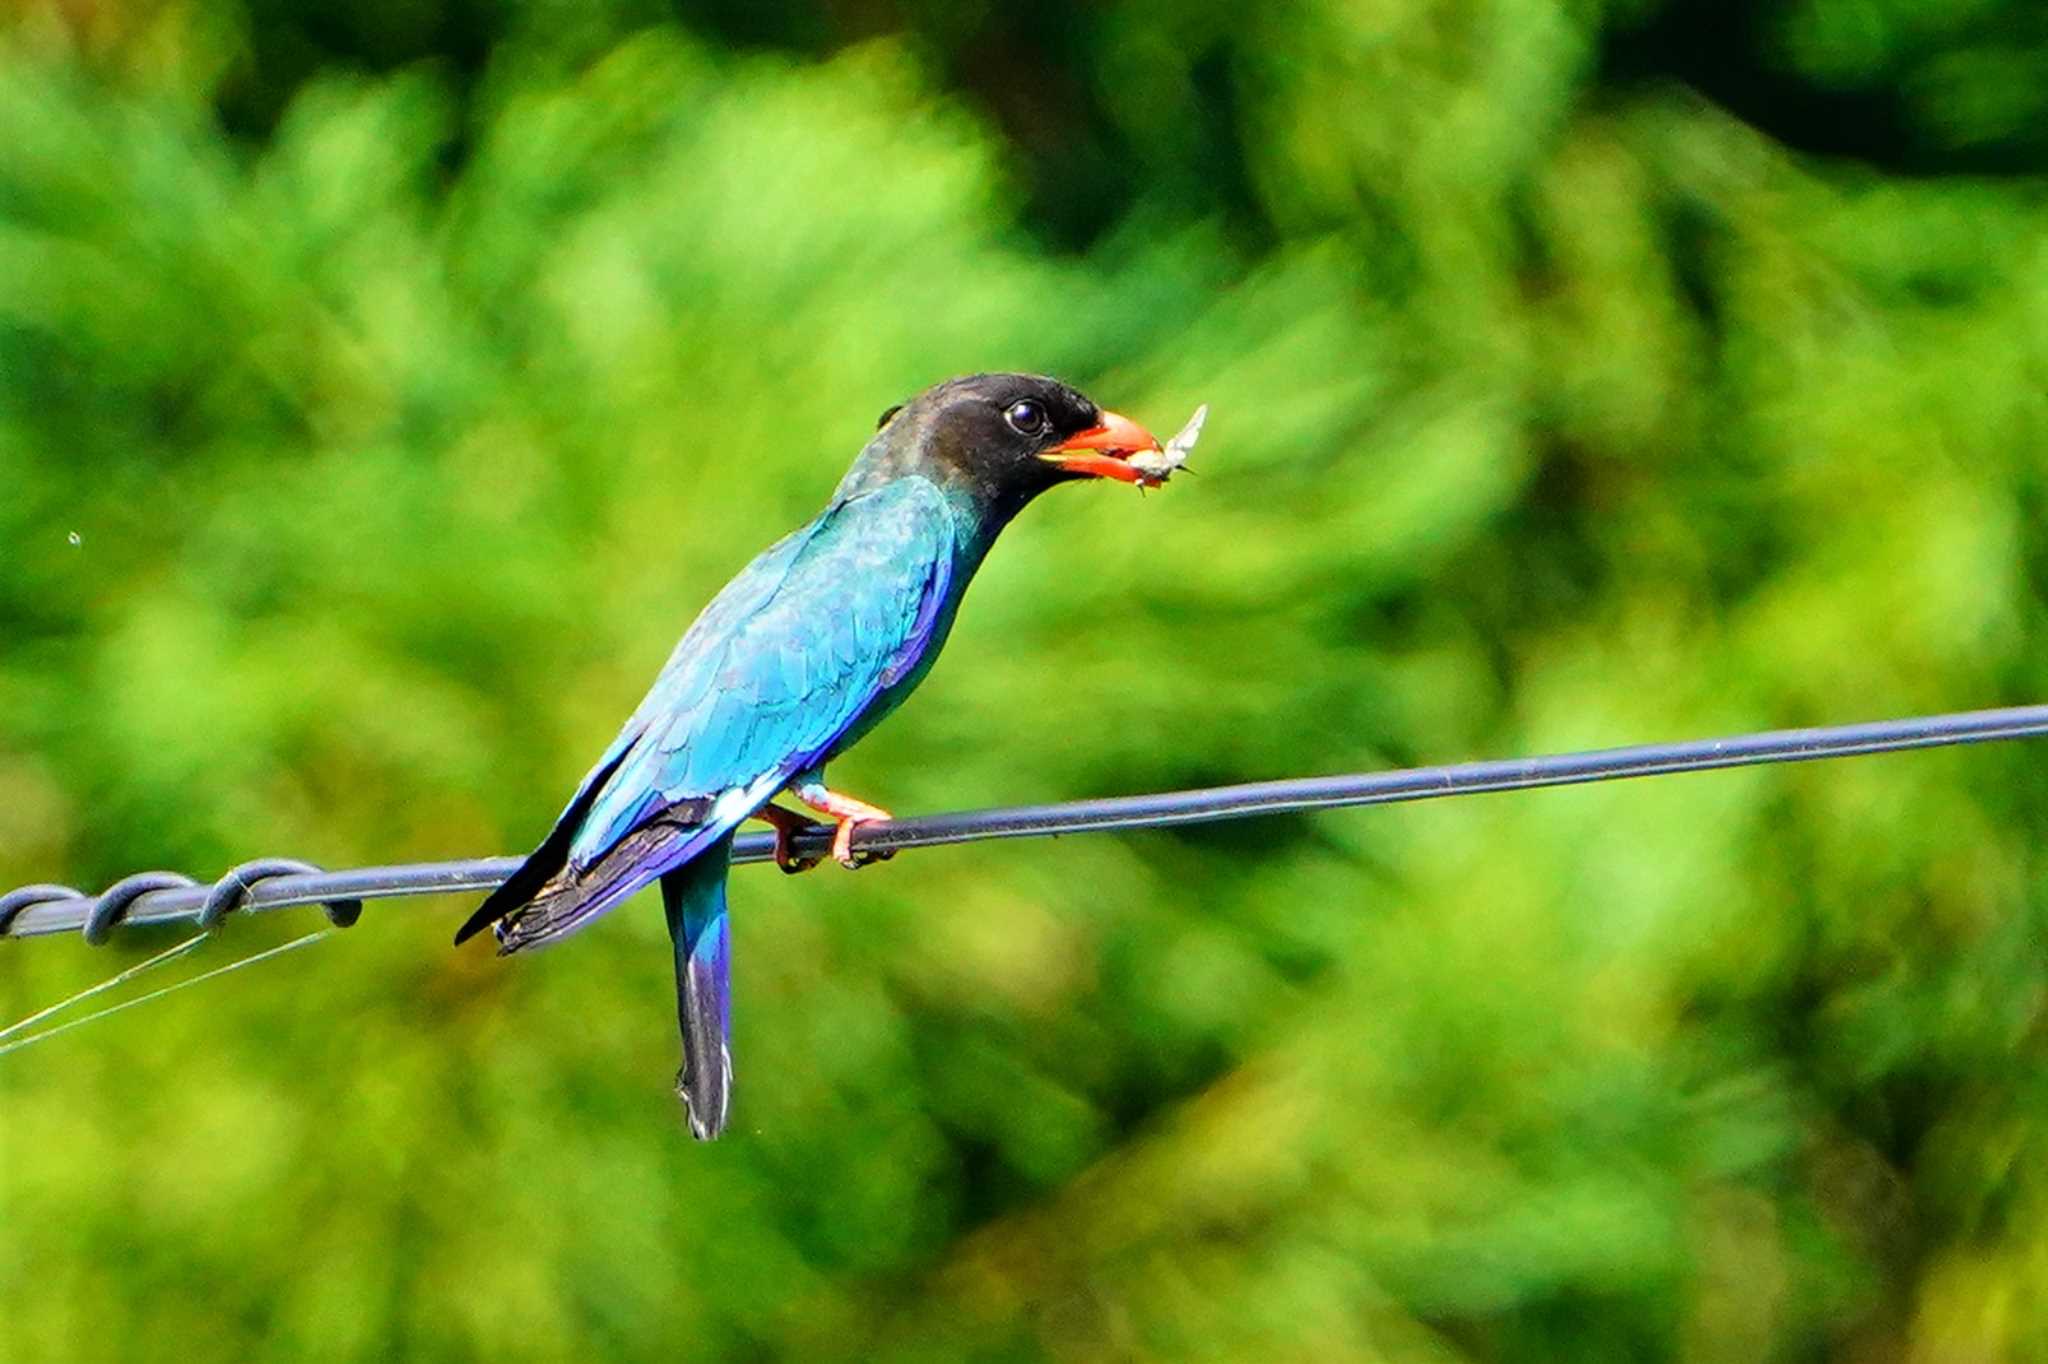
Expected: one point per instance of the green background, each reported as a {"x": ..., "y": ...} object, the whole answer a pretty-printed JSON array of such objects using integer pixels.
[{"x": 1581, "y": 374}]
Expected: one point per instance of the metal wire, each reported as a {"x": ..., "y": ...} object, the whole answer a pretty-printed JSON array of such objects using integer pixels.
[{"x": 272, "y": 884}]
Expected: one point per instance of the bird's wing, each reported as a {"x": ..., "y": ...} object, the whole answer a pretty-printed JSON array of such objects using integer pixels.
[
  {"x": 545, "y": 875},
  {"x": 762, "y": 691},
  {"x": 777, "y": 668}
]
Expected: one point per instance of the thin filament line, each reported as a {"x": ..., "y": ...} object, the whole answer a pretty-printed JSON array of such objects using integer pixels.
[
  {"x": 119, "y": 978},
  {"x": 278, "y": 951}
]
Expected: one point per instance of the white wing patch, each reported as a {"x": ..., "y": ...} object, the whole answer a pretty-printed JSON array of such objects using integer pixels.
[{"x": 737, "y": 802}]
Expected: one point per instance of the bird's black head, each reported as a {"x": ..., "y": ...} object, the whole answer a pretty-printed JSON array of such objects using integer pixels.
[{"x": 1002, "y": 438}]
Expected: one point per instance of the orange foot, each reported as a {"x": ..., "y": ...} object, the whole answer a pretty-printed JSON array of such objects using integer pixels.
[
  {"x": 849, "y": 812},
  {"x": 788, "y": 824}
]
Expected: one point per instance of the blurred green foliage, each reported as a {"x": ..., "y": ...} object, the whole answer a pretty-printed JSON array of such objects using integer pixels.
[{"x": 408, "y": 374}]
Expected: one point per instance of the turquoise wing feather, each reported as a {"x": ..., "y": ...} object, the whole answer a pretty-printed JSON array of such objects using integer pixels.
[
  {"x": 782, "y": 664},
  {"x": 783, "y": 661}
]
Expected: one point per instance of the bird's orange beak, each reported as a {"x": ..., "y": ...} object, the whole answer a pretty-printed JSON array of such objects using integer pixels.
[{"x": 1103, "y": 451}]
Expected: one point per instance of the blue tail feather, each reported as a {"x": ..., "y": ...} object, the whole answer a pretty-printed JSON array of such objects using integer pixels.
[{"x": 694, "y": 896}]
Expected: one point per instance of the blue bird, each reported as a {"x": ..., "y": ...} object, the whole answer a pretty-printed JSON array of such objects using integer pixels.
[{"x": 799, "y": 656}]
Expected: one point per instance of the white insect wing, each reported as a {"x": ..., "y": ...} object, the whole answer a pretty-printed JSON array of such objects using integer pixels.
[{"x": 1159, "y": 465}]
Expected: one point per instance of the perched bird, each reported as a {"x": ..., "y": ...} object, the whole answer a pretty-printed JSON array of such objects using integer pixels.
[{"x": 799, "y": 656}]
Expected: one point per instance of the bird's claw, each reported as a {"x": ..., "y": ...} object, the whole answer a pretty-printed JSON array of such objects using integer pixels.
[
  {"x": 788, "y": 862},
  {"x": 788, "y": 824},
  {"x": 848, "y": 813},
  {"x": 842, "y": 844}
]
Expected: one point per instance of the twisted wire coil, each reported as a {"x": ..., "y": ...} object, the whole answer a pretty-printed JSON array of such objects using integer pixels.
[{"x": 112, "y": 905}]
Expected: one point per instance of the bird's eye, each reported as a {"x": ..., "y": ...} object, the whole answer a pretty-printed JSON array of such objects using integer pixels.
[{"x": 1026, "y": 418}]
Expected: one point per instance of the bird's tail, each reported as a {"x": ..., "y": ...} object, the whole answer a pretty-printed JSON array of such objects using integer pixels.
[
  {"x": 694, "y": 895},
  {"x": 571, "y": 898},
  {"x": 540, "y": 875}
]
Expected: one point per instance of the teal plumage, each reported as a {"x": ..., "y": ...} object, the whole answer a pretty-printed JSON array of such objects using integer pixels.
[
  {"x": 784, "y": 660},
  {"x": 814, "y": 642}
]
